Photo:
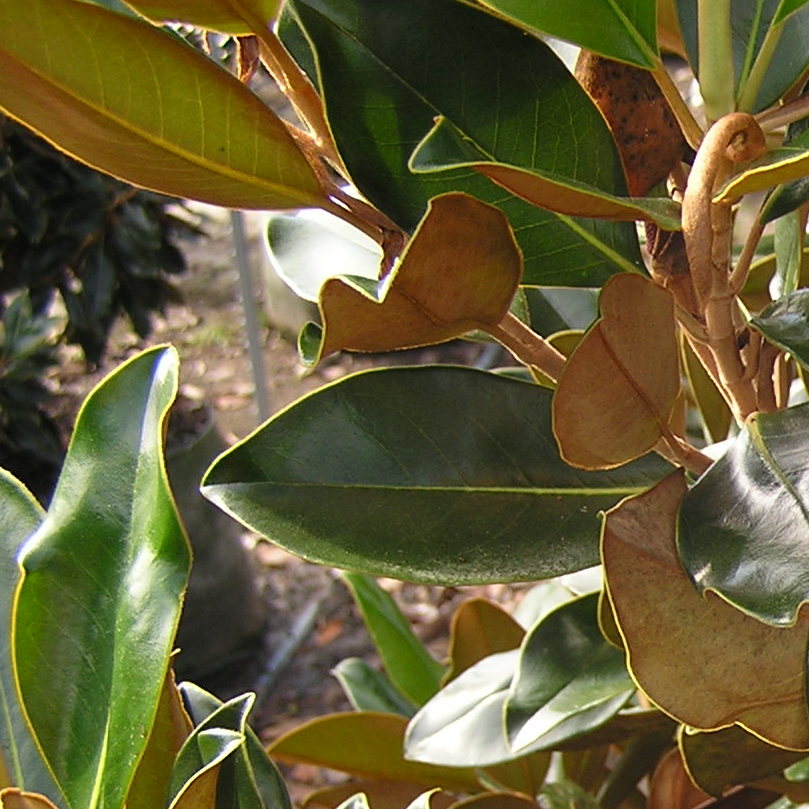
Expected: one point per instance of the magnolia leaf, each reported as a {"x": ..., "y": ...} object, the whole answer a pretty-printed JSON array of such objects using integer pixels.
[
  {"x": 462, "y": 725},
  {"x": 479, "y": 628},
  {"x": 445, "y": 147},
  {"x": 172, "y": 726},
  {"x": 256, "y": 779},
  {"x": 423, "y": 477},
  {"x": 20, "y": 760},
  {"x": 789, "y": 196},
  {"x": 112, "y": 554},
  {"x": 670, "y": 786},
  {"x": 369, "y": 690},
  {"x": 17, "y": 799},
  {"x": 568, "y": 676},
  {"x": 724, "y": 758},
  {"x": 785, "y": 322},
  {"x": 555, "y": 309},
  {"x": 498, "y": 800},
  {"x": 646, "y": 131},
  {"x": 227, "y": 16},
  {"x": 368, "y": 745},
  {"x": 788, "y": 241},
  {"x": 311, "y": 246},
  {"x": 776, "y": 167},
  {"x": 618, "y": 388},
  {"x": 729, "y": 667},
  {"x": 159, "y": 115},
  {"x": 507, "y": 91},
  {"x": 409, "y": 665},
  {"x": 459, "y": 272},
  {"x": 787, "y": 7},
  {"x": 744, "y": 530},
  {"x": 621, "y": 30},
  {"x": 381, "y": 795},
  {"x": 713, "y": 409},
  {"x": 207, "y": 751}
]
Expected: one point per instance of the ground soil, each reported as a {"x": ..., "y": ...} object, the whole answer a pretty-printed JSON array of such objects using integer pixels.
[{"x": 311, "y": 621}]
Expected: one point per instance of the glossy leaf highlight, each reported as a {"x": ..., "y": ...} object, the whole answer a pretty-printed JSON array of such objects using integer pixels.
[
  {"x": 159, "y": 114},
  {"x": 115, "y": 560},
  {"x": 744, "y": 529},
  {"x": 569, "y": 679}
]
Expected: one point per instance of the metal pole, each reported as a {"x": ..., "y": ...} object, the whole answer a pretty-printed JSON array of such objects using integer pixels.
[{"x": 250, "y": 317}]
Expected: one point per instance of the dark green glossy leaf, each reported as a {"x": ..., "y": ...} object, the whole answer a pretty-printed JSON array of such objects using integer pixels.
[
  {"x": 620, "y": 29},
  {"x": 788, "y": 241},
  {"x": 112, "y": 555},
  {"x": 785, "y": 322},
  {"x": 369, "y": 690},
  {"x": 744, "y": 527},
  {"x": 554, "y": 309},
  {"x": 424, "y": 474},
  {"x": 409, "y": 665},
  {"x": 445, "y": 148},
  {"x": 384, "y": 84},
  {"x": 224, "y": 745},
  {"x": 311, "y": 246},
  {"x": 787, "y": 7},
  {"x": 462, "y": 725},
  {"x": 20, "y": 516},
  {"x": 750, "y": 24},
  {"x": 568, "y": 675}
]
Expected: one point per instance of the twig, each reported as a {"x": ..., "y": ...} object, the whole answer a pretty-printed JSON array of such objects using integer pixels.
[
  {"x": 738, "y": 276},
  {"x": 528, "y": 347}
]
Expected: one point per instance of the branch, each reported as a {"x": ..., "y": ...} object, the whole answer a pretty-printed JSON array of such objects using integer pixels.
[{"x": 528, "y": 347}]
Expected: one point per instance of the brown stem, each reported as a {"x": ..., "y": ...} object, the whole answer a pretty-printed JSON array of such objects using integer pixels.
[
  {"x": 295, "y": 85},
  {"x": 681, "y": 453},
  {"x": 765, "y": 381},
  {"x": 722, "y": 342},
  {"x": 777, "y": 117},
  {"x": 738, "y": 277},
  {"x": 528, "y": 347},
  {"x": 735, "y": 138},
  {"x": 707, "y": 228}
]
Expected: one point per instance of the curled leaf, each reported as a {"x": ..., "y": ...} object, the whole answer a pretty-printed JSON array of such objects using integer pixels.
[{"x": 459, "y": 273}]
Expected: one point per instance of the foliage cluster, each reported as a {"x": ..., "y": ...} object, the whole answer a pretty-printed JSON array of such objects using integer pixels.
[
  {"x": 642, "y": 261},
  {"x": 102, "y": 246}
]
